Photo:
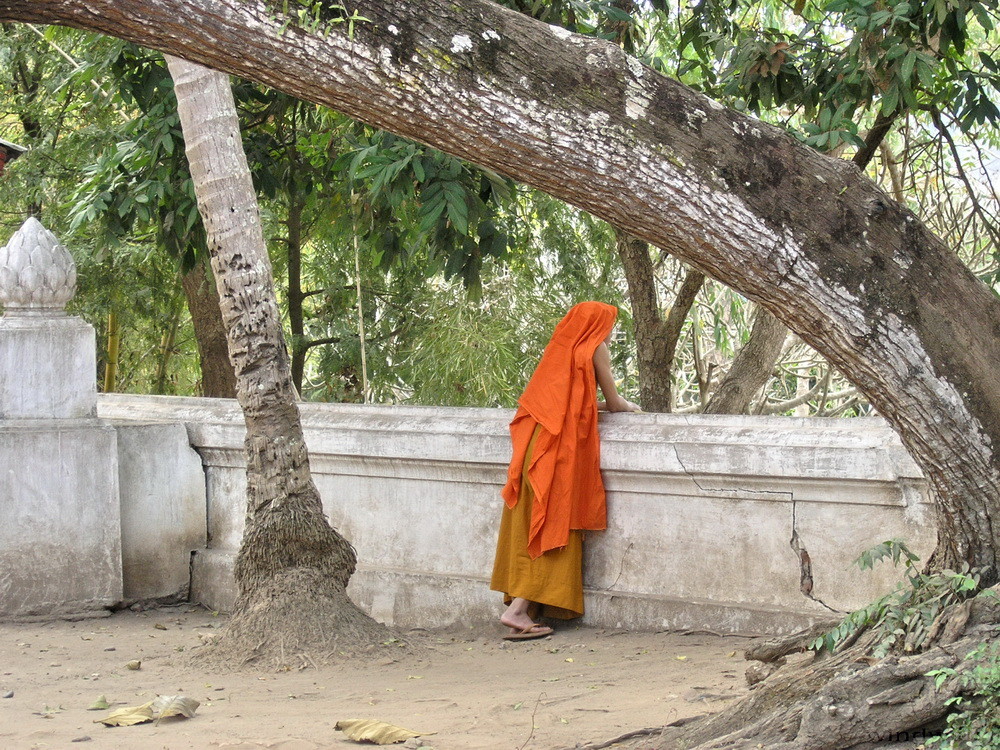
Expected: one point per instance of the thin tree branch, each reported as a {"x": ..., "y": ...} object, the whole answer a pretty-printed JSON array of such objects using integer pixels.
[
  {"x": 976, "y": 207},
  {"x": 877, "y": 133}
]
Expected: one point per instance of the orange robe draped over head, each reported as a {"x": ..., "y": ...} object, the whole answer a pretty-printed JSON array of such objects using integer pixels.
[{"x": 565, "y": 466}]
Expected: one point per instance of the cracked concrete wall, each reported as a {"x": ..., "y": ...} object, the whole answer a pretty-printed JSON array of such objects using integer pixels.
[{"x": 735, "y": 524}]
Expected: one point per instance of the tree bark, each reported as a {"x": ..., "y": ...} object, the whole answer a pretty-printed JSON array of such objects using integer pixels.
[
  {"x": 655, "y": 353},
  {"x": 809, "y": 238},
  {"x": 752, "y": 367},
  {"x": 292, "y": 567},
  {"x": 217, "y": 377}
]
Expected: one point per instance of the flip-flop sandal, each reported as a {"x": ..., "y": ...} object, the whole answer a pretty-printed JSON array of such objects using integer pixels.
[{"x": 535, "y": 631}]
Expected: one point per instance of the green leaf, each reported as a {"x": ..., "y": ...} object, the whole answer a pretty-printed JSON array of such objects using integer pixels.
[
  {"x": 906, "y": 69},
  {"x": 101, "y": 704},
  {"x": 925, "y": 72},
  {"x": 983, "y": 16},
  {"x": 616, "y": 14},
  {"x": 896, "y": 51},
  {"x": 458, "y": 209},
  {"x": 430, "y": 213}
]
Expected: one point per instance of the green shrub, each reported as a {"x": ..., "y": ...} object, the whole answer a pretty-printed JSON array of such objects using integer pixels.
[
  {"x": 903, "y": 618},
  {"x": 975, "y": 723}
]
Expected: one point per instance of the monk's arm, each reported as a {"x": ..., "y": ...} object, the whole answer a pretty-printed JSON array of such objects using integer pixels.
[{"x": 606, "y": 379}]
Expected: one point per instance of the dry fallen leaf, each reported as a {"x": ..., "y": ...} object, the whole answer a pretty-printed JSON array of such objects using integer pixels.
[
  {"x": 166, "y": 706},
  {"x": 162, "y": 707},
  {"x": 376, "y": 732},
  {"x": 126, "y": 717}
]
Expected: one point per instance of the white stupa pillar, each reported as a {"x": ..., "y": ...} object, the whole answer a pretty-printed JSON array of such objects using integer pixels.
[
  {"x": 47, "y": 361},
  {"x": 60, "y": 540}
]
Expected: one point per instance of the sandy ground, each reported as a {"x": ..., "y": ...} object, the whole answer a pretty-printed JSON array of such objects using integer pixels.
[{"x": 471, "y": 689}]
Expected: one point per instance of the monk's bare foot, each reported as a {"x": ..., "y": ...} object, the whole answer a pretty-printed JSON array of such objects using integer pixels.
[
  {"x": 517, "y": 621},
  {"x": 519, "y": 618}
]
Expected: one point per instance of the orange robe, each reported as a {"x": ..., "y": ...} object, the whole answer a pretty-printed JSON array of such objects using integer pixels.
[{"x": 561, "y": 396}]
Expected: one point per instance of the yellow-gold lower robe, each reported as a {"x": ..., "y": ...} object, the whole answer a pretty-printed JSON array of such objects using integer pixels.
[{"x": 555, "y": 578}]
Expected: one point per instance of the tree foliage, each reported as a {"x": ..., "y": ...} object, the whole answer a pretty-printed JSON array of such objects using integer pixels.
[{"x": 414, "y": 217}]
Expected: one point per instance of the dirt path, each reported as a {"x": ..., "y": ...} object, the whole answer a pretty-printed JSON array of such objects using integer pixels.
[{"x": 470, "y": 688}]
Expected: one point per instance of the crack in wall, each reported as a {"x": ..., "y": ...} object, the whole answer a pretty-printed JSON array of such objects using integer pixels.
[
  {"x": 795, "y": 542},
  {"x": 805, "y": 563},
  {"x": 722, "y": 490}
]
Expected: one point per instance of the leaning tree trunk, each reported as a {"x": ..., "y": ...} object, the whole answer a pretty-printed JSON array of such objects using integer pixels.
[{"x": 292, "y": 567}]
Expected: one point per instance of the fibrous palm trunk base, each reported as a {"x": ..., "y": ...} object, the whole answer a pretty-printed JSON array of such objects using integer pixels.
[
  {"x": 845, "y": 701},
  {"x": 300, "y": 618}
]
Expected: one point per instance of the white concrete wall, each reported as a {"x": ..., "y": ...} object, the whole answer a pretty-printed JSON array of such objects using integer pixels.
[
  {"x": 162, "y": 495},
  {"x": 60, "y": 550},
  {"x": 701, "y": 510}
]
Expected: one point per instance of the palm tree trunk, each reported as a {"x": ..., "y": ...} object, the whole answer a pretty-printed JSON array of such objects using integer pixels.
[{"x": 292, "y": 567}]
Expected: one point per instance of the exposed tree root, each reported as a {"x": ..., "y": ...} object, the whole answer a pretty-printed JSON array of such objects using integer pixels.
[
  {"x": 773, "y": 649},
  {"x": 616, "y": 742},
  {"x": 299, "y": 618},
  {"x": 848, "y": 700}
]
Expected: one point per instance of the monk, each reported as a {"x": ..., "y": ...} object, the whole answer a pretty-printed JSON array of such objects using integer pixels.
[{"x": 554, "y": 491}]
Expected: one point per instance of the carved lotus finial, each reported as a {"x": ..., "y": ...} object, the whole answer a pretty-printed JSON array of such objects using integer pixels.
[{"x": 37, "y": 274}]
